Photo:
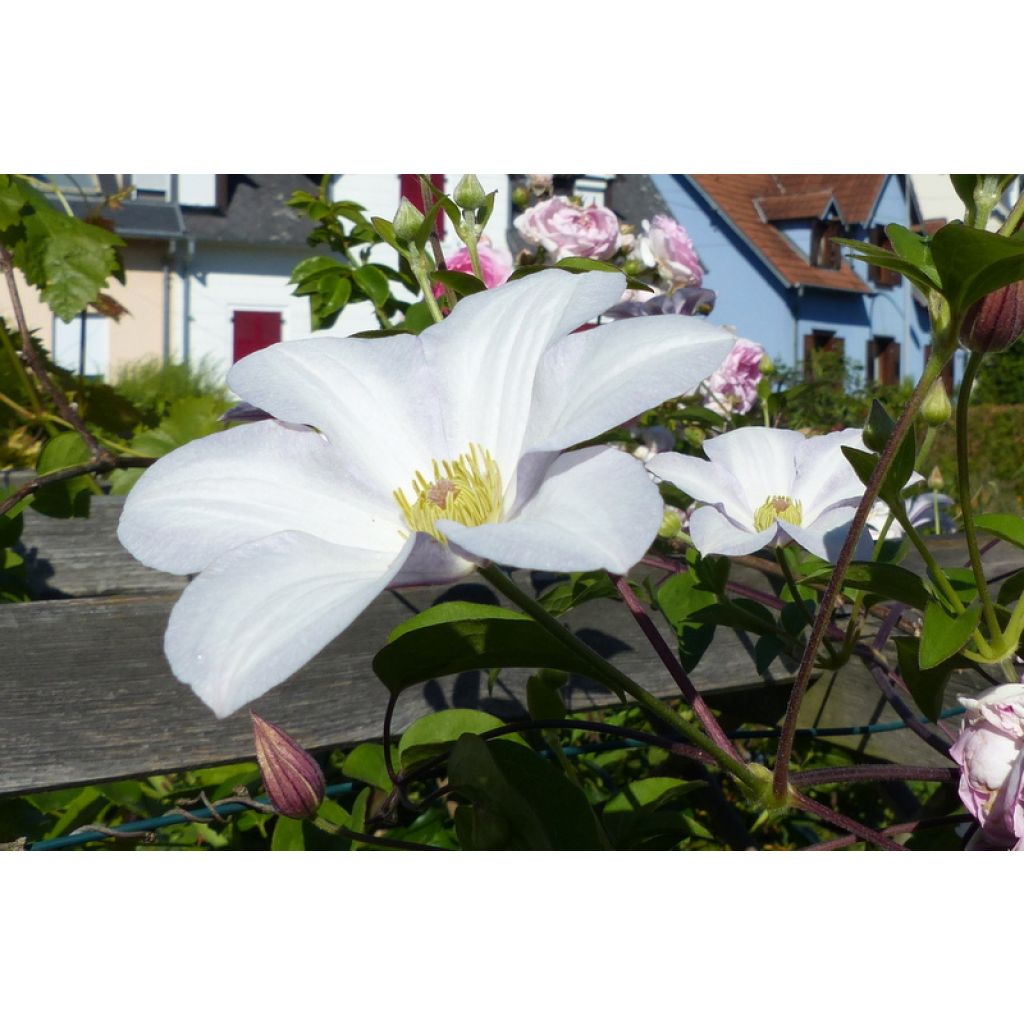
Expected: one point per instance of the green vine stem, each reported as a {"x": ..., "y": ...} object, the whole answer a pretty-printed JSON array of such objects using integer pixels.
[
  {"x": 963, "y": 472},
  {"x": 604, "y": 671},
  {"x": 933, "y": 368}
]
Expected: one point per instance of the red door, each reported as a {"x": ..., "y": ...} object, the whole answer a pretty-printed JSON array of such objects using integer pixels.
[{"x": 254, "y": 331}]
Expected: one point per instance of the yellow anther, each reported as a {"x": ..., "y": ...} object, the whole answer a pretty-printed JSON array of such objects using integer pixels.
[
  {"x": 778, "y": 507},
  {"x": 467, "y": 491}
]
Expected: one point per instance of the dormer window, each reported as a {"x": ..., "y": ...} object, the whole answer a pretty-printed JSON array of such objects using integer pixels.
[{"x": 824, "y": 251}]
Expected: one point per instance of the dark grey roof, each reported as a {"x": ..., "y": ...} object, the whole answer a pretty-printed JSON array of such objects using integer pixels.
[
  {"x": 635, "y": 198},
  {"x": 137, "y": 218},
  {"x": 256, "y": 212}
]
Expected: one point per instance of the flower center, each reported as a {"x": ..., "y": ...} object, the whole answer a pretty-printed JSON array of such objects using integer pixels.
[
  {"x": 467, "y": 491},
  {"x": 778, "y": 507}
]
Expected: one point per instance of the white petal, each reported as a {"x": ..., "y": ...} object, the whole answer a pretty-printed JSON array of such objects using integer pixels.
[
  {"x": 827, "y": 534},
  {"x": 704, "y": 481},
  {"x": 825, "y": 479},
  {"x": 259, "y": 613},
  {"x": 762, "y": 459},
  {"x": 250, "y": 481},
  {"x": 485, "y": 355},
  {"x": 590, "y": 382},
  {"x": 713, "y": 533},
  {"x": 596, "y": 509},
  {"x": 374, "y": 398}
]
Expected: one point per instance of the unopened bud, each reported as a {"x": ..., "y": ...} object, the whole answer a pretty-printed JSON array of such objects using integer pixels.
[
  {"x": 995, "y": 322},
  {"x": 520, "y": 197},
  {"x": 633, "y": 267},
  {"x": 408, "y": 220},
  {"x": 936, "y": 481},
  {"x": 469, "y": 193},
  {"x": 766, "y": 365},
  {"x": 293, "y": 780},
  {"x": 936, "y": 408},
  {"x": 878, "y": 428},
  {"x": 671, "y": 523}
]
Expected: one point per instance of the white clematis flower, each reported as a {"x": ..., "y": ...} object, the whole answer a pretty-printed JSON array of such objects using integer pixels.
[
  {"x": 430, "y": 454},
  {"x": 766, "y": 486}
]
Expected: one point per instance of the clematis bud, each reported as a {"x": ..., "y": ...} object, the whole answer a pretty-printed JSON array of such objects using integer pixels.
[
  {"x": 936, "y": 481},
  {"x": 293, "y": 780},
  {"x": 995, "y": 322},
  {"x": 936, "y": 407},
  {"x": 990, "y": 752},
  {"x": 408, "y": 220},
  {"x": 671, "y": 523},
  {"x": 469, "y": 193}
]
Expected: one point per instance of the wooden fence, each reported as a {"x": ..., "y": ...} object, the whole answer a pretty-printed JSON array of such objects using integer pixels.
[{"x": 86, "y": 694}]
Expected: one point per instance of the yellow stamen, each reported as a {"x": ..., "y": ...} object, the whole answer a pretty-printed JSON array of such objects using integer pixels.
[
  {"x": 775, "y": 508},
  {"x": 467, "y": 491}
]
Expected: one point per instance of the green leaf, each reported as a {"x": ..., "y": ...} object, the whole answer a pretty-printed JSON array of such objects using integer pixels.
[
  {"x": 888, "y": 581},
  {"x": 971, "y": 263},
  {"x": 77, "y": 261},
  {"x": 459, "y": 636},
  {"x": 578, "y": 589},
  {"x": 417, "y": 318},
  {"x": 315, "y": 266},
  {"x": 879, "y": 257},
  {"x": 386, "y": 231},
  {"x": 366, "y": 764},
  {"x": 1011, "y": 589},
  {"x": 288, "y": 835},
  {"x": 508, "y": 783},
  {"x": 374, "y": 283},
  {"x": 766, "y": 650},
  {"x": 914, "y": 248},
  {"x": 926, "y": 686},
  {"x": 580, "y": 265},
  {"x": 1008, "y": 528},
  {"x": 680, "y": 598},
  {"x": 461, "y": 284},
  {"x": 433, "y": 734},
  {"x": 944, "y": 635},
  {"x": 542, "y": 697},
  {"x": 67, "y": 498},
  {"x": 631, "y": 815}
]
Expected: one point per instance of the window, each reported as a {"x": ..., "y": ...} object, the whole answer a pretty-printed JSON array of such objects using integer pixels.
[
  {"x": 819, "y": 347},
  {"x": 882, "y": 277},
  {"x": 824, "y": 252},
  {"x": 253, "y": 331},
  {"x": 82, "y": 346},
  {"x": 412, "y": 191},
  {"x": 883, "y": 365}
]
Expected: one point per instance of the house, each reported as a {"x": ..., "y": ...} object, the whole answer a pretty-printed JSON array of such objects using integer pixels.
[
  {"x": 208, "y": 259},
  {"x": 766, "y": 242}
]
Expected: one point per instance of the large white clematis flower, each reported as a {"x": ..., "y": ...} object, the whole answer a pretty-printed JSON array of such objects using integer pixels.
[
  {"x": 766, "y": 486},
  {"x": 430, "y": 454}
]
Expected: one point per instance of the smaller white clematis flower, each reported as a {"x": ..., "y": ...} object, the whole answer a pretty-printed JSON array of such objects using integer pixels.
[
  {"x": 762, "y": 486},
  {"x": 430, "y": 454},
  {"x": 923, "y": 510}
]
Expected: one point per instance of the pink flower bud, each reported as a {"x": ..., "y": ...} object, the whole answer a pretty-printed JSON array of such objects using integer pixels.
[
  {"x": 733, "y": 385},
  {"x": 293, "y": 780},
  {"x": 990, "y": 752},
  {"x": 667, "y": 246},
  {"x": 995, "y": 322}
]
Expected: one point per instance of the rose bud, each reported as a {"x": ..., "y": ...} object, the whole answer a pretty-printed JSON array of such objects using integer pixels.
[
  {"x": 469, "y": 193},
  {"x": 293, "y": 780},
  {"x": 408, "y": 220},
  {"x": 990, "y": 752},
  {"x": 995, "y": 322}
]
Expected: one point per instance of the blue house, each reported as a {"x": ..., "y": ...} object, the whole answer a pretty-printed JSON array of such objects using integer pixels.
[{"x": 766, "y": 242}]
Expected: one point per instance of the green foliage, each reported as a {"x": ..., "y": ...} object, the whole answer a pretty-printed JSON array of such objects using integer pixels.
[
  {"x": 1001, "y": 378},
  {"x": 153, "y": 386},
  {"x": 68, "y": 259}
]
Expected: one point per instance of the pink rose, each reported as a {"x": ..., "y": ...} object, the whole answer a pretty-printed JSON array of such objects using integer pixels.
[
  {"x": 495, "y": 265},
  {"x": 990, "y": 752},
  {"x": 733, "y": 385},
  {"x": 565, "y": 229},
  {"x": 667, "y": 246}
]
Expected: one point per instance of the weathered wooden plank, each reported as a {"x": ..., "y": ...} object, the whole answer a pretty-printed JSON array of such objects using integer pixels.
[{"x": 85, "y": 692}]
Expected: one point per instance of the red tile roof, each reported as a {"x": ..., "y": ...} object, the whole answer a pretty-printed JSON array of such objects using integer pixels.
[{"x": 751, "y": 202}]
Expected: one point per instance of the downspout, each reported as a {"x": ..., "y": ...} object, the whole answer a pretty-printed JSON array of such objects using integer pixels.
[
  {"x": 186, "y": 302},
  {"x": 905, "y": 284},
  {"x": 172, "y": 251},
  {"x": 796, "y": 328}
]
